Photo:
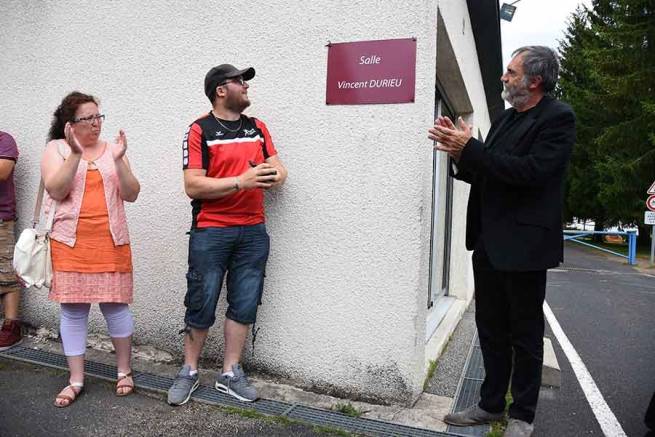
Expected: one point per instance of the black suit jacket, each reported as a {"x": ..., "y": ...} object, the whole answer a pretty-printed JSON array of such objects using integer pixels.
[{"x": 516, "y": 177}]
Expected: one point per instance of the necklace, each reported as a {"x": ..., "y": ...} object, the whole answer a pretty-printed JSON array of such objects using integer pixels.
[
  {"x": 227, "y": 128},
  {"x": 92, "y": 162}
]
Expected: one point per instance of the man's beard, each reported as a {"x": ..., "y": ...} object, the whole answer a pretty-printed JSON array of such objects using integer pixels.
[
  {"x": 516, "y": 95},
  {"x": 237, "y": 103}
]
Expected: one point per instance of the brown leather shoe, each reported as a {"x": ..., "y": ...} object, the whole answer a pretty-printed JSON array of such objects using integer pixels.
[{"x": 10, "y": 334}]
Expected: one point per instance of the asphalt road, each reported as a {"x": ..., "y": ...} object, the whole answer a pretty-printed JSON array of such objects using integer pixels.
[
  {"x": 26, "y": 410},
  {"x": 607, "y": 310}
]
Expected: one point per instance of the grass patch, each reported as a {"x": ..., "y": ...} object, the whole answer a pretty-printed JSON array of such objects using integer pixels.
[
  {"x": 333, "y": 431},
  {"x": 347, "y": 409},
  {"x": 249, "y": 413},
  {"x": 498, "y": 428},
  {"x": 282, "y": 420},
  {"x": 431, "y": 368},
  {"x": 244, "y": 412},
  {"x": 622, "y": 248}
]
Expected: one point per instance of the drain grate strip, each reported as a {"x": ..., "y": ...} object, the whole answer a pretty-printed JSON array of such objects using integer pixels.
[
  {"x": 468, "y": 391},
  {"x": 288, "y": 410},
  {"x": 209, "y": 395}
]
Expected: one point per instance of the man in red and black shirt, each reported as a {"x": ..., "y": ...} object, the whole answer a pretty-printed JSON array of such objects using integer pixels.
[{"x": 229, "y": 160}]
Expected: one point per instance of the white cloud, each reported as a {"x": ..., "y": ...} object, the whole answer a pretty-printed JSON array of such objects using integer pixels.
[{"x": 536, "y": 22}]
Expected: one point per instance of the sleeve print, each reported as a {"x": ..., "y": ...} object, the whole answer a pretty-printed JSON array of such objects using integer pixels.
[{"x": 192, "y": 148}]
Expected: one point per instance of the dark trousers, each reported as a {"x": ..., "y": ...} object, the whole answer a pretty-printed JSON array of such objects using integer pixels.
[{"x": 510, "y": 320}]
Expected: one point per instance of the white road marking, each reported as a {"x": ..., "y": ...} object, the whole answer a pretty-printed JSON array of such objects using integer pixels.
[
  {"x": 600, "y": 271},
  {"x": 605, "y": 417}
]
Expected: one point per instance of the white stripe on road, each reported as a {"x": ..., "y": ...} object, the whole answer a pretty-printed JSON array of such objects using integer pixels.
[{"x": 605, "y": 417}]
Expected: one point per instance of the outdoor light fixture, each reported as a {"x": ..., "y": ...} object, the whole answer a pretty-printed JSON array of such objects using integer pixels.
[{"x": 507, "y": 10}]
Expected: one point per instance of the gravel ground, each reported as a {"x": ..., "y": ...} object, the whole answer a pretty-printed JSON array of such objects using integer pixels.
[{"x": 450, "y": 364}]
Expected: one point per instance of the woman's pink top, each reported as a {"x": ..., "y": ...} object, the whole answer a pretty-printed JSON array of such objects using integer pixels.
[{"x": 67, "y": 213}]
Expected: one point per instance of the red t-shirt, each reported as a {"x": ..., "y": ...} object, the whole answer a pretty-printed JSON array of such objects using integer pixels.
[{"x": 224, "y": 148}]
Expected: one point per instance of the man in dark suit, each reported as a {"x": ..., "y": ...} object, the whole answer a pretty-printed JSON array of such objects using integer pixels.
[{"x": 514, "y": 227}]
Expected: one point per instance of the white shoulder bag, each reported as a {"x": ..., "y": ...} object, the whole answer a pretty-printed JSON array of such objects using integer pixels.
[{"x": 32, "y": 259}]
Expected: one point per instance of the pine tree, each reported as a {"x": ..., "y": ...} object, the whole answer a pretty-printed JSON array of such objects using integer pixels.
[
  {"x": 577, "y": 86},
  {"x": 609, "y": 79}
]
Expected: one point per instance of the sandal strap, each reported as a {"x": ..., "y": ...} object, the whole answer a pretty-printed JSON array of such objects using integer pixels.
[
  {"x": 122, "y": 375},
  {"x": 65, "y": 397},
  {"x": 72, "y": 386},
  {"x": 122, "y": 383}
]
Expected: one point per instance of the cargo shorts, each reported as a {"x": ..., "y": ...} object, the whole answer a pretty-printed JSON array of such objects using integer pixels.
[
  {"x": 8, "y": 280},
  {"x": 240, "y": 252}
]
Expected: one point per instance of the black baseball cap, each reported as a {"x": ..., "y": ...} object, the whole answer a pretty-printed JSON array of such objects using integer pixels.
[{"x": 223, "y": 72}]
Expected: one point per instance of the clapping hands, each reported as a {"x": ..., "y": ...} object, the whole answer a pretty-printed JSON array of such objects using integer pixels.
[
  {"x": 450, "y": 138},
  {"x": 121, "y": 141},
  {"x": 71, "y": 139}
]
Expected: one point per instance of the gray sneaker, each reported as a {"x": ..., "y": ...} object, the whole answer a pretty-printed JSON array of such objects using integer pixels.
[
  {"x": 183, "y": 386},
  {"x": 473, "y": 415},
  {"x": 237, "y": 385},
  {"x": 518, "y": 428}
]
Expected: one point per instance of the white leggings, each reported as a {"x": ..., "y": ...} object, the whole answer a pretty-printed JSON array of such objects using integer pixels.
[{"x": 75, "y": 319}]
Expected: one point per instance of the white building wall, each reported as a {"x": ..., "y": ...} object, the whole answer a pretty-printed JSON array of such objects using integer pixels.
[{"x": 344, "y": 303}]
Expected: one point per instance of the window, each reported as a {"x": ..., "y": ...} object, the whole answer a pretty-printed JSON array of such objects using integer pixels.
[{"x": 442, "y": 211}]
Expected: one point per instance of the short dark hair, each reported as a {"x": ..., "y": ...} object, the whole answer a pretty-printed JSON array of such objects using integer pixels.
[
  {"x": 65, "y": 112},
  {"x": 540, "y": 61}
]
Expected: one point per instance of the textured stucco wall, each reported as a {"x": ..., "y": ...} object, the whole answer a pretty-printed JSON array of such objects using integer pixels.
[{"x": 344, "y": 304}]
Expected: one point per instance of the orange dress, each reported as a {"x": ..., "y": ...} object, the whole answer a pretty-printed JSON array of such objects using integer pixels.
[{"x": 94, "y": 270}]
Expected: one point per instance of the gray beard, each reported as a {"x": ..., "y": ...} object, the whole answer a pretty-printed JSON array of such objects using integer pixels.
[{"x": 516, "y": 97}]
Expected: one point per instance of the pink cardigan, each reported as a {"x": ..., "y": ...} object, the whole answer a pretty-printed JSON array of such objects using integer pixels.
[{"x": 64, "y": 227}]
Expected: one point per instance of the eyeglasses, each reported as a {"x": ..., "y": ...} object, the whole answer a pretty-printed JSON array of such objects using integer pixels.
[
  {"x": 240, "y": 80},
  {"x": 90, "y": 119}
]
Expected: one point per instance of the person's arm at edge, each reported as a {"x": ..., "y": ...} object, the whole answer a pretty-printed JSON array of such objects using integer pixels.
[{"x": 6, "y": 166}]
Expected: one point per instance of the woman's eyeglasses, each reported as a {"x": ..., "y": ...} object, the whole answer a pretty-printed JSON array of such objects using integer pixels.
[{"x": 90, "y": 119}]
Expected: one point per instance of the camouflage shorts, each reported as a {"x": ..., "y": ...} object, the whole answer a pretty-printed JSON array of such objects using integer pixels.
[{"x": 8, "y": 280}]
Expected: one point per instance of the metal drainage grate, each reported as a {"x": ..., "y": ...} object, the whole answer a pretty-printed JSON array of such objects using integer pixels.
[
  {"x": 468, "y": 391},
  {"x": 209, "y": 395}
]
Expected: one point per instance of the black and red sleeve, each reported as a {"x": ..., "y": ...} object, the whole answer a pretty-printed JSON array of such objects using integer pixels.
[
  {"x": 268, "y": 148},
  {"x": 194, "y": 149}
]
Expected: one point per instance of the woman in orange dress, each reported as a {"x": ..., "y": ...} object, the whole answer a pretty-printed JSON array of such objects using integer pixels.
[{"x": 87, "y": 180}]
